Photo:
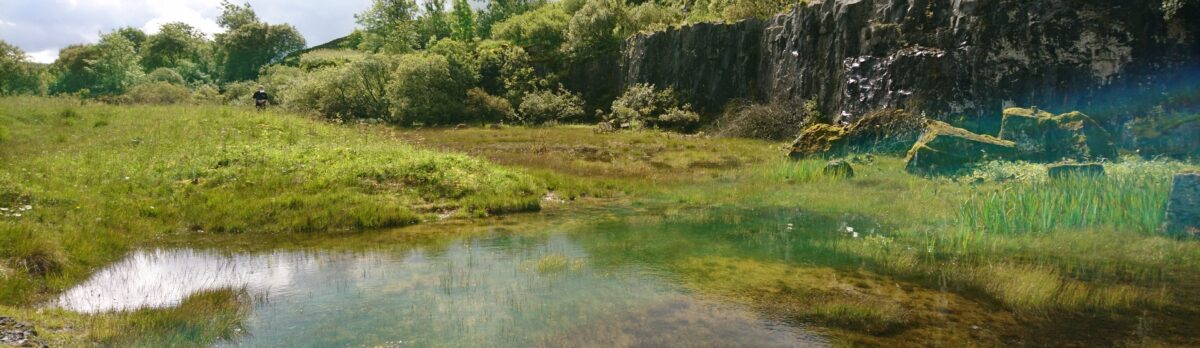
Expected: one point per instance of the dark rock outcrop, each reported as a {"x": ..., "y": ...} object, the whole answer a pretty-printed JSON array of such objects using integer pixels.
[
  {"x": 945, "y": 149},
  {"x": 708, "y": 63},
  {"x": 1044, "y": 137},
  {"x": 1183, "y": 209},
  {"x": 940, "y": 58},
  {"x": 1174, "y": 137}
]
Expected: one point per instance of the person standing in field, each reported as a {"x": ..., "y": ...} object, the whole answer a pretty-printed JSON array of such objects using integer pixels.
[{"x": 260, "y": 98}]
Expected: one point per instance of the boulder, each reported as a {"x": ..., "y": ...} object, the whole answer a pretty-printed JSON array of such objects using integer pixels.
[
  {"x": 1183, "y": 207},
  {"x": 885, "y": 131},
  {"x": 1175, "y": 137},
  {"x": 1044, "y": 137},
  {"x": 1064, "y": 170},
  {"x": 838, "y": 169},
  {"x": 945, "y": 149},
  {"x": 816, "y": 140}
]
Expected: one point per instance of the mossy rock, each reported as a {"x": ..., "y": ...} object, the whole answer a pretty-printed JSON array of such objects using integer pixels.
[
  {"x": 945, "y": 149},
  {"x": 1172, "y": 136},
  {"x": 838, "y": 169},
  {"x": 817, "y": 139},
  {"x": 1043, "y": 137}
]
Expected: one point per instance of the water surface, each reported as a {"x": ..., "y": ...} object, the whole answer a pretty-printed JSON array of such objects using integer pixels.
[{"x": 600, "y": 280}]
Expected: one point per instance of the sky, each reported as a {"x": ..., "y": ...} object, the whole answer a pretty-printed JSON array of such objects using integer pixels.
[{"x": 43, "y": 27}]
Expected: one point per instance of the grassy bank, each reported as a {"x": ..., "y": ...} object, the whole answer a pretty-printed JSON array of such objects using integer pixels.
[
  {"x": 81, "y": 184},
  {"x": 1005, "y": 254}
]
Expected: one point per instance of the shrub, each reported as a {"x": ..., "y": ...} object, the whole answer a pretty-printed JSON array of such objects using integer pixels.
[
  {"x": 157, "y": 93},
  {"x": 643, "y": 105},
  {"x": 207, "y": 93},
  {"x": 423, "y": 90},
  {"x": 239, "y": 93},
  {"x": 592, "y": 30},
  {"x": 779, "y": 122},
  {"x": 167, "y": 75},
  {"x": 548, "y": 106},
  {"x": 650, "y": 16},
  {"x": 326, "y": 58},
  {"x": 541, "y": 32},
  {"x": 358, "y": 90},
  {"x": 484, "y": 107}
]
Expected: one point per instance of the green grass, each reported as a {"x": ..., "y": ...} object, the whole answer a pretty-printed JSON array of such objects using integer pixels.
[
  {"x": 200, "y": 320},
  {"x": 83, "y": 183}
]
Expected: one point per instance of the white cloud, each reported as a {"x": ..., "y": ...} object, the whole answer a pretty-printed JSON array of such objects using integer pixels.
[
  {"x": 41, "y": 26},
  {"x": 44, "y": 56}
]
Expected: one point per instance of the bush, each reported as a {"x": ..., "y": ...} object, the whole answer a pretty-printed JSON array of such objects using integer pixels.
[
  {"x": 643, "y": 105},
  {"x": 327, "y": 58},
  {"x": 650, "y": 16},
  {"x": 592, "y": 31},
  {"x": 207, "y": 93},
  {"x": 487, "y": 108},
  {"x": 239, "y": 93},
  {"x": 779, "y": 122},
  {"x": 354, "y": 91},
  {"x": 506, "y": 70},
  {"x": 167, "y": 75},
  {"x": 541, "y": 32},
  {"x": 548, "y": 106},
  {"x": 157, "y": 93},
  {"x": 423, "y": 90}
]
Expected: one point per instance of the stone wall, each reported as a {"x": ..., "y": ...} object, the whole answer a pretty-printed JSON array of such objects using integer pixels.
[{"x": 942, "y": 58}]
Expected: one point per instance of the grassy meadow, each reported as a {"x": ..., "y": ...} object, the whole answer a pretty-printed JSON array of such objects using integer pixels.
[{"x": 1028, "y": 257}]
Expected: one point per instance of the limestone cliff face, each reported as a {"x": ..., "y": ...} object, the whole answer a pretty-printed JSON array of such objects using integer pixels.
[
  {"x": 708, "y": 63},
  {"x": 944, "y": 58}
]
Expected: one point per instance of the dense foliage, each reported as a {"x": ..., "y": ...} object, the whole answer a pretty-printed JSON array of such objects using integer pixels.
[{"x": 410, "y": 62}]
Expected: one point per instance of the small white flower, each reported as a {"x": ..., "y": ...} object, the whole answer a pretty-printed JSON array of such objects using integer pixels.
[
  {"x": 127, "y": 178},
  {"x": 849, "y": 229},
  {"x": 854, "y": 234},
  {"x": 3, "y": 209},
  {"x": 16, "y": 214},
  {"x": 27, "y": 207}
]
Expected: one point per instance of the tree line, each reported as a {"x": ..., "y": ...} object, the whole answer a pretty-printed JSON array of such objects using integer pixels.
[{"x": 408, "y": 63}]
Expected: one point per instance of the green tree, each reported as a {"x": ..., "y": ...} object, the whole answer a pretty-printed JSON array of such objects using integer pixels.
[
  {"x": 423, "y": 90},
  {"x": 500, "y": 10},
  {"x": 234, "y": 16},
  {"x": 135, "y": 35},
  {"x": 389, "y": 26},
  {"x": 592, "y": 30},
  {"x": 17, "y": 74},
  {"x": 540, "y": 32},
  {"x": 462, "y": 21},
  {"x": 107, "y": 68},
  {"x": 175, "y": 42},
  {"x": 248, "y": 44},
  {"x": 433, "y": 23}
]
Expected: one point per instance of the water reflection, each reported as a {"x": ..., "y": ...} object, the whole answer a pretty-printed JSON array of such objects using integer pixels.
[{"x": 495, "y": 290}]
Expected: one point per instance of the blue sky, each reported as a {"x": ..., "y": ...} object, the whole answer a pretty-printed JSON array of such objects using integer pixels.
[{"x": 42, "y": 27}]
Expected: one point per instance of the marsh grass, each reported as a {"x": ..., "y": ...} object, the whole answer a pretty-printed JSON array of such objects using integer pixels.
[
  {"x": 201, "y": 319},
  {"x": 93, "y": 192},
  {"x": 1134, "y": 202}
]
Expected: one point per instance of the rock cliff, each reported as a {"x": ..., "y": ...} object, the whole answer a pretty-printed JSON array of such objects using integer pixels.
[{"x": 942, "y": 58}]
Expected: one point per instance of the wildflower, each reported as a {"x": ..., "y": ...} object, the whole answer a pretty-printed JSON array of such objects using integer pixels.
[
  {"x": 3, "y": 209},
  {"x": 16, "y": 214},
  {"x": 854, "y": 234},
  {"x": 27, "y": 207}
]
